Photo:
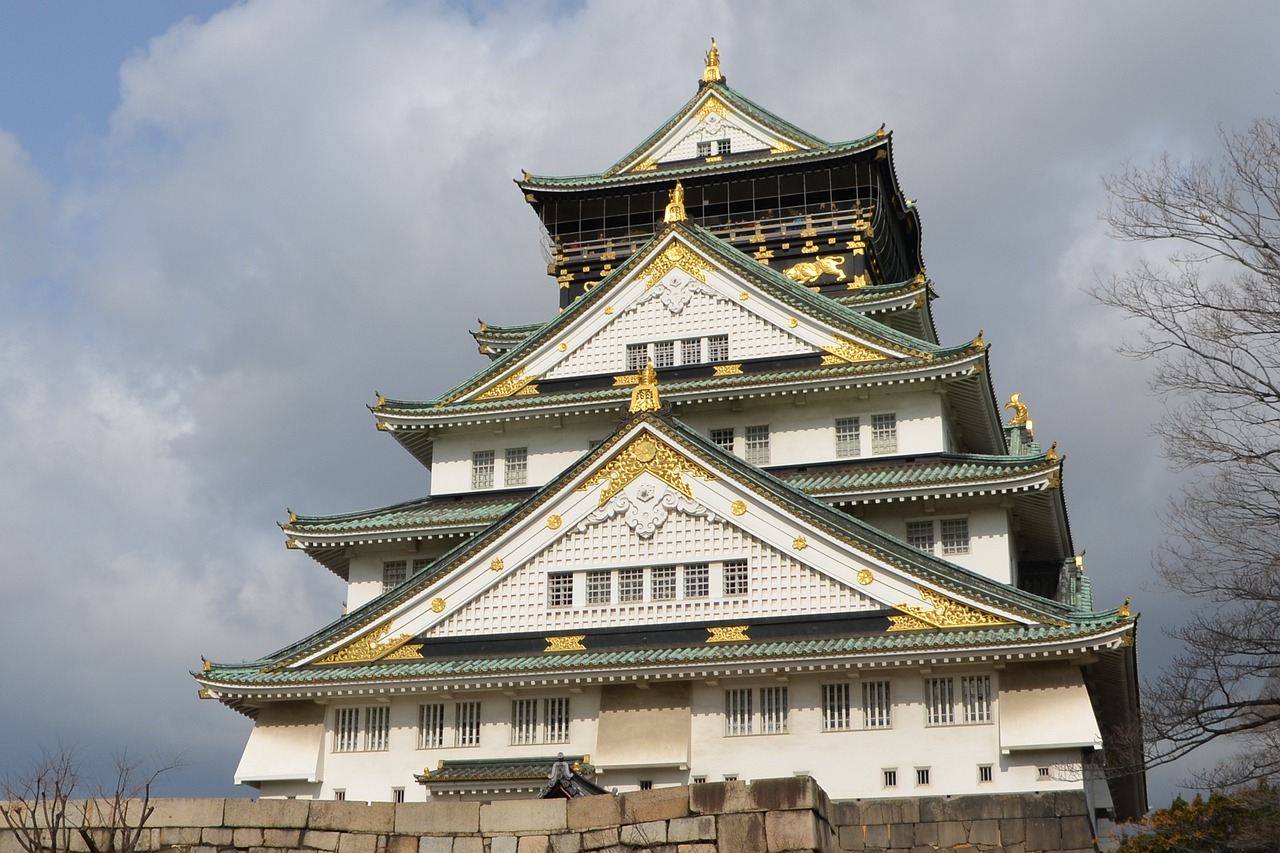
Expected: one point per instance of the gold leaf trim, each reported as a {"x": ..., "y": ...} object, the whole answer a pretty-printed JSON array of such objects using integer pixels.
[
  {"x": 497, "y": 564},
  {"x": 438, "y": 605},
  {"x": 675, "y": 256},
  {"x": 800, "y": 543},
  {"x": 845, "y": 350},
  {"x": 509, "y": 385},
  {"x": 865, "y": 577},
  {"x": 554, "y": 522},
  {"x": 645, "y": 454},
  {"x": 565, "y": 644},
  {"x": 372, "y": 646},
  {"x": 713, "y": 105},
  {"x": 728, "y": 370},
  {"x": 807, "y": 272},
  {"x": 945, "y": 613},
  {"x": 728, "y": 634},
  {"x": 738, "y": 508},
  {"x": 628, "y": 379}
]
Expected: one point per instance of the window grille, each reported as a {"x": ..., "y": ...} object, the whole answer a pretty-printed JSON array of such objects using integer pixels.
[
  {"x": 884, "y": 433},
  {"x": 430, "y": 726},
  {"x": 922, "y": 776},
  {"x": 631, "y": 585},
  {"x": 377, "y": 727},
  {"x": 877, "y": 712},
  {"x": 773, "y": 710},
  {"x": 757, "y": 444},
  {"x": 889, "y": 778},
  {"x": 835, "y": 707},
  {"x": 482, "y": 469},
  {"x": 718, "y": 348},
  {"x": 691, "y": 350},
  {"x": 599, "y": 586},
  {"x": 730, "y": 777},
  {"x": 420, "y": 564},
  {"x": 394, "y": 573},
  {"x": 664, "y": 354},
  {"x": 920, "y": 535},
  {"x": 722, "y": 147},
  {"x": 524, "y": 721},
  {"x": 556, "y": 716},
  {"x": 339, "y": 794},
  {"x": 955, "y": 535},
  {"x": 975, "y": 696},
  {"x": 736, "y": 578},
  {"x": 1043, "y": 773},
  {"x": 723, "y": 438},
  {"x": 637, "y": 356},
  {"x": 697, "y": 580},
  {"x": 984, "y": 772},
  {"x": 704, "y": 149},
  {"x": 466, "y": 728},
  {"x": 397, "y": 795},
  {"x": 517, "y": 466},
  {"x": 646, "y": 784},
  {"x": 346, "y": 730},
  {"x": 699, "y": 780},
  {"x": 737, "y": 712},
  {"x": 662, "y": 582},
  {"x": 848, "y": 441},
  {"x": 560, "y": 589},
  {"x": 939, "y": 702}
]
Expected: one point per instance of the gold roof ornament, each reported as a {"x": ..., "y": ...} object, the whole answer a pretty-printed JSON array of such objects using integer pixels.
[
  {"x": 978, "y": 341},
  {"x": 675, "y": 205},
  {"x": 711, "y": 73},
  {"x": 1052, "y": 454},
  {"x": 644, "y": 398},
  {"x": 880, "y": 130},
  {"x": 1124, "y": 608},
  {"x": 1019, "y": 410}
]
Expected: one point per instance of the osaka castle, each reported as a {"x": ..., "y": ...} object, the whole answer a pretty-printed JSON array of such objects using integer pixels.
[{"x": 733, "y": 511}]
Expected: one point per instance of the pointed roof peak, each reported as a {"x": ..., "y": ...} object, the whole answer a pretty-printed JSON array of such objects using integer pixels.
[{"x": 711, "y": 71}]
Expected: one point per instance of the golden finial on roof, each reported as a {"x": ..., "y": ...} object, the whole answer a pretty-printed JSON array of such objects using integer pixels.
[
  {"x": 1124, "y": 608},
  {"x": 711, "y": 73},
  {"x": 675, "y": 207},
  {"x": 205, "y": 666},
  {"x": 880, "y": 130},
  {"x": 1019, "y": 408},
  {"x": 1052, "y": 455},
  {"x": 978, "y": 341},
  {"x": 293, "y": 516},
  {"x": 645, "y": 396}
]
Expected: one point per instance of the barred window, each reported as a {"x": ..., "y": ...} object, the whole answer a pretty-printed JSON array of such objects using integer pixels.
[
  {"x": 430, "y": 726},
  {"x": 722, "y": 146},
  {"x": 517, "y": 466},
  {"x": 736, "y": 577},
  {"x": 664, "y": 354},
  {"x": 482, "y": 469},
  {"x": 939, "y": 702},
  {"x": 975, "y": 698},
  {"x": 773, "y": 710},
  {"x": 848, "y": 441},
  {"x": 884, "y": 433},
  {"x": 835, "y": 707},
  {"x": 723, "y": 438},
  {"x": 704, "y": 149},
  {"x": 691, "y": 350},
  {"x": 922, "y": 776},
  {"x": 984, "y": 772},
  {"x": 524, "y": 721},
  {"x": 920, "y": 535},
  {"x": 346, "y": 730},
  {"x": 718, "y": 348},
  {"x": 955, "y": 535},
  {"x": 560, "y": 589},
  {"x": 889, "y": 777},
  {"x": 662, "y": 583},
  {"x": 757, "y": 444},
  {"x": 637, "y": 356},
  {"x": 737, "y": 712},
  {"x": 377, "y": 727},
  {"x": 631, "y": 585},
  {"x": 556, "y": 717},
  {"x": 877, "y": 711},
  {"x": 697, "y": 580},
  {"x": 599, "y": 586},
  {"x": 466, "y": 726},
  {"x": 420, "y": 564},
  {"x": 394, "y": 573}
]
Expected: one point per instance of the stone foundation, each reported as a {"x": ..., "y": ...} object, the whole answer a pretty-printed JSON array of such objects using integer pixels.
[{"x": 766, "y": 816}]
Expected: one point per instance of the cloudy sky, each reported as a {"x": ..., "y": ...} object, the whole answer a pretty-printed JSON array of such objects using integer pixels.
[{"x": 223, "y": 226}]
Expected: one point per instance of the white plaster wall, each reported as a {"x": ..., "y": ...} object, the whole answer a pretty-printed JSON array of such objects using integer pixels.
[
  {"x": 553, "y": 445},
  {"x": 989, "y": 535},
  {"x": 364, "y": 572}
]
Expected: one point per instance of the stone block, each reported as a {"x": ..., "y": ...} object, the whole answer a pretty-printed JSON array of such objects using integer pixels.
[
  {"x": 320, "y": 840},
  {"x": 1076, "y": 831},
  {"x": 402, "y": 844},
  {"x": 852, "y": 837},
  {"x": 876, "y": 835},
  {"x": 357, "y": 842},
  {"x": 534, "y": 844},
  {"x": 272, "y": 813},
  {"x": 472, "y": 844},
  {"x": 566, "y": 842},
  {"x": 602, "y": 810},
  {"x": 794, "y": 792},
  {"x": 428, "y": 844},
  {"x": 175, "y": 836},
  {"x": 1013, "y": 831},
  {"x": 503, "y": 844},
  {"x": 697, "y": 828},
  {"x": 216, "y": 836},
  {"x": 985, "y": 833},
  {"x": 696, "y": 848},
  {"x": 524, "y": 816},
  {"x": 203, "y": 849},
  {"x": 740, "y": 831},
  {"x": 342, "y": 816},
  {"x": 644, "y": 834},
  {"x": 596, "y": 838},
  {"x": 720, "y": 798},
  {"x": 905, "y": 810},
  {"x": 186, "y": 812},
  {"x": 656, "y": 804},
  {"x": 1043, "y": 833},
  {"x": 262, "y": 850},
  {"x": 288, "y": 838},
  {"x": 792, "y": 830},
  {"x": 246, "y": 836},
  {"x": 437, "y": 818},
  {"x": 951, "y": 833}
]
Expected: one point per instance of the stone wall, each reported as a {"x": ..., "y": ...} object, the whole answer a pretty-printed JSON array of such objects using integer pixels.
[{"x": 766, "y": 816}]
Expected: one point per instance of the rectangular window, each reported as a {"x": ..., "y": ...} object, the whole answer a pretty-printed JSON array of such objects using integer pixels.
[
  {"x": 877, "y": 712},
  {"x": 599, "y": 586},
  {"x": 848, "y": 441},
  {"x": 773, "y": 710},
  {"x": 757, "y": 444},
  {"x": 664, "y": 354},
  {"x": 339, "y": 794},
  {"x": 662, "y": 583},
  {"x": 939, "y": 702},
  {"x": 737, "y": 712},
  {"x": 397, "y": 795},
  {"x": 637, "y": 356},
  {"x": 736, "y": 579},
  {"x": 722, "y": 147},
  {"x": 394, "y": 573},
  {"x": 430, "y": 726},
  {"x": 975, "y": 698},
  {"x": 704, "y": 149},
  {"x": 889, "y": 777},
  {"x": 524, "y": 721},
  {"x": 691, "y": 351},
  {"x": 884, "y": 433},
  {"x": 466, "y": 726},
  {"x": 646, "y": 784},
  {"x": 631, "y": 585},
  {"x": 723, "y": 438},
  {"x": 377, "y": 727},
  {"x": 560, "y": 589},
  {"x": 420, "y": 564},
  {"x": 718, "y": 348},
  {"x": 482, "y": 469},
  {"x": 697, "y": 580},
  {"x": 517, "y": 466},
  {"x": 555, "y": 714},
  {"x": 984, "y": 772},
  {"x": 835, "y": 707},
  {"x": 955, "y": 535},
  {"x": 730, "y": 777},
  {"x": 1044, "y": 773},
  {"x": 699, "y": 780},
  {"x": 922, "y": 776},
  {"x": 920, "y": 535},
  {"x": 346, "y": 730}
]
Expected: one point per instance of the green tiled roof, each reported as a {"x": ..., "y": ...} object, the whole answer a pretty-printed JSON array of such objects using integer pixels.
[
  {"x": 424, "y": 512},
  {"x": 502, "y": 769}
]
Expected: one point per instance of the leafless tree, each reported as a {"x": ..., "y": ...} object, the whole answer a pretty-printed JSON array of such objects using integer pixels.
[
  {"x": 1210, "y": 325},
  {"x": 43, "y": 809}
]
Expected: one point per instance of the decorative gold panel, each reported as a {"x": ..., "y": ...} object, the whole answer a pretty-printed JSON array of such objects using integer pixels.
[
  {"x": 782, "y": 148},
  {"x": 800, "y": 543},
  {"x": 846, "y": 350},
  {"x": 810, "y": 271},
  {"x": 1019, "y": 410},
  {"x": 744, "y": 296},
  {"x": 946, "y": 613},
  {"x": 437, "y": 605},
  {"x": 627, "y": 379},
  {"x": 792, "y": 323},
  {"x": 554, "y": 522},
  {"x": 643, "y": 454},
  {"x": 728, "y": 370},
  {"x": 509, "y": 385},
  {"x": 865, "y": 577},
  {"x": 738, "y": 508},
  {"x": 372, "y": 646},
  {"x": 565, "y": 644},
  {"x": 675, "y": 256},
  {"x": 728, "y": 634},
  {"x": 647, "y": 166},
  {"x": 497, "y": 564},
  {"x": 713, "y": 105}
]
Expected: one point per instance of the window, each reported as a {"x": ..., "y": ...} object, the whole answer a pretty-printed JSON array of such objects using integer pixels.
[
  {"x": 877, "y": 712},
  {"x": 554, "y": 727},
  {"x": 704, "y": 149},
  {"x": 758, "y": 445},
  {"x": 889, "y": 777},
  {"x": 560, "y": 589},
  {"x": 730, "y": 777},
  {"x": 848, "y": 441},
  {"x": 482, "y": 469},
  {"x": 697, "y": 580},
  {"x": 397, "y": 795},
  {"x": 955, "y": 535},
  {"x": 691, "y": 351},
  {"x": 686, "y": 351},
  {"x": 517, "y": 466},
  {"x": 466, "y": 727},
  {"x": 599, "y": 586},
  {"x": 394, "y": 573},
  {"x": 664, "y": 354},
  {"x": 646, "y": 784},
  {"x": 922, "y": 776},
  {"x": 637, "y": 356},
  {"x": 975, "y": 697},
  {"x": 631, "y": 585},
  {"x": 939, "y": 702},
  {"x": 737, "y": 712},
  {"x": 556, "y": 716},
  {"x": 884, "y": 433},
  {"x": 524, "y": 721},
  {"x": 920, "y": 535},
  {"x": 420, "y": 564},
  {"x": 346, "y": 730},
  {"x": 984, "y": 772},
  {"x": 377, "y": 727},
  {"x": 430, "y": 726},
  {"x": 1043, "y": 773},
  {"x": 835, "y": 707},
  {"x": 662, "y": 583},
  {"x": 773, "y": 710},
  {"x": 718, "y": 348},
  {"x": 723, "y": 438},
  {"x": 699, "y": 780},
  {"x": 736, "y": 579},
  {"x": 339, "y": 794},
  {"x": 722, "y": 147}
]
